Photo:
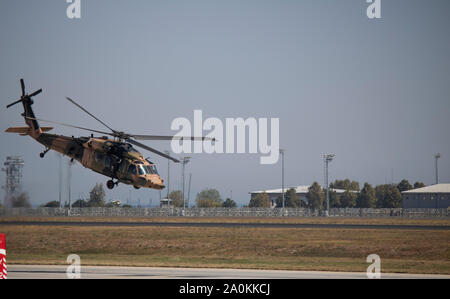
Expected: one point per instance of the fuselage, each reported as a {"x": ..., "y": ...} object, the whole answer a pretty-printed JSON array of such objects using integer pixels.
[{"x": 114, "y": 159}]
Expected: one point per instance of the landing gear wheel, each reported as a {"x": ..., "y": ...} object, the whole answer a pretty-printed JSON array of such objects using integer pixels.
[
  {"x": 135, "y": 187},
  {"x": 42, "y": 155},
  {"x": 110, "y": 184}
]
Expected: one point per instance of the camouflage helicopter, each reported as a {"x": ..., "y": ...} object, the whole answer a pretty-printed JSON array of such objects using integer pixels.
[{"x": 115, "y": 158}]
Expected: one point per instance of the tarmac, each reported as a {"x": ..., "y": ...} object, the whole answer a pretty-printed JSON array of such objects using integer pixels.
[{"x": 108, "y": 272}]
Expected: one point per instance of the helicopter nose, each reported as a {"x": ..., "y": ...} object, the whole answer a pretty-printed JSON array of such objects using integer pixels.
[{"x": 155, "y": 184}]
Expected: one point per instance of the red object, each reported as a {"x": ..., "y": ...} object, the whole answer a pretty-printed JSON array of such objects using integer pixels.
[{"x": 3, "y": 272}]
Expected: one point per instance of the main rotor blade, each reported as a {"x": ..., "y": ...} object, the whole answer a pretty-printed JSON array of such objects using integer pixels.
[
  {"x": 22, "y": 85},
  {"x": 160, "y": 137},
  {"x": 73, "y": 102},
  {"x": 12, "y": 104},
  {"x": 152, "y": 150},
  {"x": 67, "y": 125},
  {"x": 35, "y": 93}
]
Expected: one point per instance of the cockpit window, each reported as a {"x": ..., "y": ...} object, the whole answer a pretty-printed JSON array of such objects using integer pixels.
[
  {"x": 141, "y": 169},
  {"x": 153, "y": 167},
  {"x": 132, "y": 169}
]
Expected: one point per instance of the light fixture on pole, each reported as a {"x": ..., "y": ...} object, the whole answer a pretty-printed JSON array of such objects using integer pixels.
[{"x": 327, "y": 159}]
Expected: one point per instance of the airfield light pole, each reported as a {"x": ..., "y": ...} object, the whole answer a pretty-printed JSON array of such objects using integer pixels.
[
  {"x": 282, "y": 176},
  {"x": 168, "y": 174},
  {"x": 327, "y": 159},
  {"x": 60, "y": 177},
  {"x": 436, "y": 157},
  {"x": 189, "y": 189},
  {"x": 69, "y": 178},
  {"x": 184, "y": 161}
]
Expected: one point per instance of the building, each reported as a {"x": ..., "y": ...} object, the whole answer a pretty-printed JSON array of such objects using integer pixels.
[
  {"x": 300, "y": 190},
  {"x": 165, "y": 203},
  {"x": 432, "y": 197}
]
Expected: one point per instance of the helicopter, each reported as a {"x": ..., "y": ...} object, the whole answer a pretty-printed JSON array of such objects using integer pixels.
[{"x": 116, "y": 158}]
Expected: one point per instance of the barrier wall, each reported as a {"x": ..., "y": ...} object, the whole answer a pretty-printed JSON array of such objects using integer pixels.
[{"x": 223, "y": 212}]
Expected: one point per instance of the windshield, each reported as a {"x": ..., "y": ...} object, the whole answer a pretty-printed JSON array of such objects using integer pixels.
[
  {"x": 153, "y": 167},
  {"x": 146, "y": 169}
]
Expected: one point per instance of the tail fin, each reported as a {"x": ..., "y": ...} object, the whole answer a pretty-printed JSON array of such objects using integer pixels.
[{"x": 28, "y": 111}]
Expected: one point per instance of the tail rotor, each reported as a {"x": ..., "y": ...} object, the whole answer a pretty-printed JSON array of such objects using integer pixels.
[{"x": 25, "y": 96}]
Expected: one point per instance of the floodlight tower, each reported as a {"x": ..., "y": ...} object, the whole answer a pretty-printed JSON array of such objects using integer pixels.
[
  {"x": 13, "y": 169},
  {"x": 436, "y": 157},
  {"x": 184, "y": 161},
  {"x": 327, "y": 159}
]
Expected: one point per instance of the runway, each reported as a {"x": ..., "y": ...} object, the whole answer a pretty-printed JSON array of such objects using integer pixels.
[
  {"x": 227, "y": 224},
  {"x": 107, "y": 272}
]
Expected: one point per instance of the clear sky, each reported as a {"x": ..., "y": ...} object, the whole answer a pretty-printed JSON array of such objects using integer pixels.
[{"x": 374, "y": 92}]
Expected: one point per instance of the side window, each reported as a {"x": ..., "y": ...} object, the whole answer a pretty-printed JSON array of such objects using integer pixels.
[
  {"x": 132, "y": 169},
  {"x": 98, "y": 157},
  {"x": 122, "y": 166},
  {"x": 107, "y": 161}
]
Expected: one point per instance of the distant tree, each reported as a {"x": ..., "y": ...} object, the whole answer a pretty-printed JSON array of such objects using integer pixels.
[
  {"x": 367, "y": 197},
  {"x": 418, "y": 185},
  {"x": 404, "y": 185},
  {"x": 80, "y": 203},
  {"x": 315, "y": 196},
  {"x": 52, "y": 204},
  {"x": 97, "y": 196},
  {"x": 345, "y": 185},
  {"x": 348, "y": 199},
  {"x": 388, "y": 196},
  {"x": 21, "y": 201},
  {"x": 229, "y": 203},
  {"x": 177, "y": 198},
  {"x": 292, "y": 200},
  {"x": 260, "y": 200},
  {"x": 335, "y": 200},
  {"x": 126, "y": 206},
  {"x": 209, "y": 198}
]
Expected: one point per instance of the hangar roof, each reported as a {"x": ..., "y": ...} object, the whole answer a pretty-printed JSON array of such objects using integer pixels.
[
  {"x": 438, "y": 188},
  {"x": 298, "y": 189}
]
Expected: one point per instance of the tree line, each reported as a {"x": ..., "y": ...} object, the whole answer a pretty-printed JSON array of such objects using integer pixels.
[
  {"x": 380, "y": 196},
  {"x": 208, "y": 198}
]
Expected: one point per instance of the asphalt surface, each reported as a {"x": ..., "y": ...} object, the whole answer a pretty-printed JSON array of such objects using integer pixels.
[
  {"x": 224, "y": 224},
  {"x": 104, "y": 272}
]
